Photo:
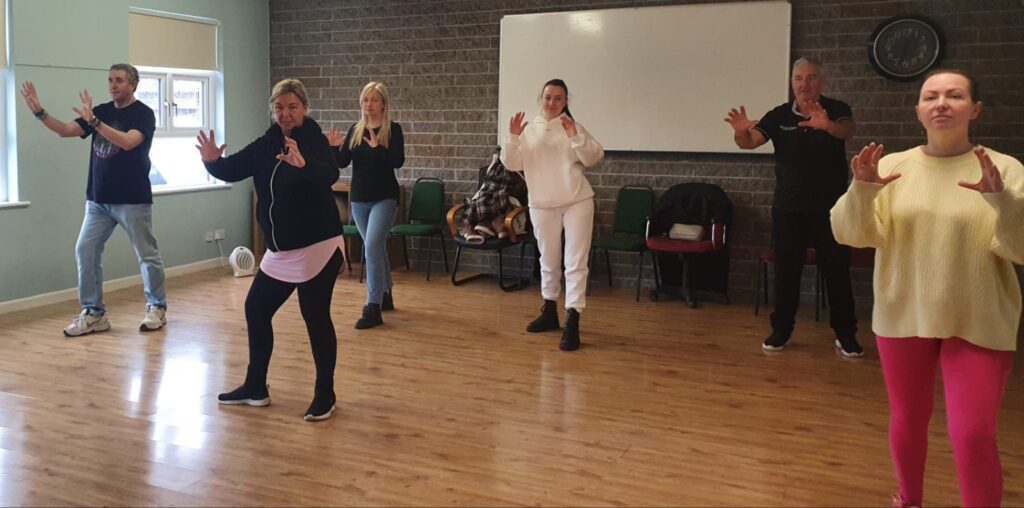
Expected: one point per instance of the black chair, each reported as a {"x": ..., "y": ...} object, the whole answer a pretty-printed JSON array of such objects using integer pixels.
[{"x": 517, "y": 226}]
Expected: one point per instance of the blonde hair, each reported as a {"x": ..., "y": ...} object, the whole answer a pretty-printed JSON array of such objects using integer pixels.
[
  {"x": 385, "y": 126},
  {"x": 288, "y": 86}
]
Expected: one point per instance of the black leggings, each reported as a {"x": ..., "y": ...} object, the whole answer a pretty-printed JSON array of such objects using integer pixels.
[{"x": 266, "y": 295}]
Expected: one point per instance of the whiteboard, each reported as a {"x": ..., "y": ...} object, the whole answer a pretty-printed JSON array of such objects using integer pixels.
[{"x": 651, "y": 78}]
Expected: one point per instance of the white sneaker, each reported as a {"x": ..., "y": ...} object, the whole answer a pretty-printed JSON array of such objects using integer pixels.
[
  {"x": 86, "y": 323},
  {"x": 155, "y": 319}
]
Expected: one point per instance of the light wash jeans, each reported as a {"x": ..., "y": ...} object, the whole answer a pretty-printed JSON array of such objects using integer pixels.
[
  {"x": 374, "y": 220},
  {"x": 99, "y": 223}
]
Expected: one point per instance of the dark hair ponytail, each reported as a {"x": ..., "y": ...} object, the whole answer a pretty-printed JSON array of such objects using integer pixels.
[{"x": 561, "y": 84}]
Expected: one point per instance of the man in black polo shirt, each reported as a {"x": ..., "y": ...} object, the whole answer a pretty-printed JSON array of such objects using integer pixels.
[
  {"x": 118, "y": 193},
  {"x": 809, "y": 134}
]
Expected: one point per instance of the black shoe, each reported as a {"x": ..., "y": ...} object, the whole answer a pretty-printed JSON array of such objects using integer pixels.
[
  {"x": 387, "y": 303},
  {"x": 848, "y": 346},
  {"x": 321, "y": 407},
  {"x": 548, "y": 319},
  {"x": 247, "y": 396},
  {"x": 371, "y": 317},
  {"x": 571, "y": 335},
  {"x": 775, "y": 342}
]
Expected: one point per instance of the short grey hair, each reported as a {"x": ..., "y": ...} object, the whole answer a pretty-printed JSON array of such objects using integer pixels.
[
  {"x": 806, "y": 60},
  {"x": 130, "y": 72}
]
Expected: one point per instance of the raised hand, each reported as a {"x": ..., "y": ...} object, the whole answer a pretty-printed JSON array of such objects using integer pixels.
[
  {"x": 991, "y": 179},
  {"x": 291, "y": 153},
  {"x": 28, "y": 92},
  {"x": 817, "y": 117},
  {"x": 85, "y": 110},
  {"x": 569, "y": 125},
  {"x": 374, "y": 140},
  {"x": 739, "y": 121},
  {"x": 517, "y": 125},
  {"x": 334, "y": 137},
  {"x": 864, "y": 165},
  {"x": 208, "y": 148}
]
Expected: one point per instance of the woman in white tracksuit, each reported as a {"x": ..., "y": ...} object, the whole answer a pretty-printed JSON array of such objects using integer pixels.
[{"x": 552, "y": 151}]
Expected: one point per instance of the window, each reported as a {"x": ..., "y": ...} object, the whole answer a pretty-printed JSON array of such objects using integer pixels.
[
  {"x": 177, "y": 60},
  {"x": 182, "y": 101},
  {"x": 8, "y": 177}
]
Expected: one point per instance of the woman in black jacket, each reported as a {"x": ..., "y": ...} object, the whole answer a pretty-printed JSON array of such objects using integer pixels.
[{"x": 292, "y": 168}]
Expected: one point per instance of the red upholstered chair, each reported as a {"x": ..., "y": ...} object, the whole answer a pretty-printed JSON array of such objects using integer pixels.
[{"x": 701, "y": 204}]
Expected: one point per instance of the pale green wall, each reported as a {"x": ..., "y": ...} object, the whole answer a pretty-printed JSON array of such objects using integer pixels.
[{"x": 64, "y": 46}]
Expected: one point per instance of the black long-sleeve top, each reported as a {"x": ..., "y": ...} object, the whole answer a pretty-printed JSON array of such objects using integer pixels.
[
  {"x": 373, "y": 169},
  {"x": 295, "y": 207}
]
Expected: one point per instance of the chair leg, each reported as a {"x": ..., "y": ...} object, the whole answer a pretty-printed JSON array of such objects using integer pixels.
[
  {"x": 657, "y": 275},
  {"x": 691, "y": 298},
  {"x": 590, "y": 269},
  {"x": 455, "y": 270},
  {"x": 430, "y": 252},
  {"x": 348, "y": 256},
  {"x": 639, "y": 274},
  {"x": 405, "y": 253},
  {"x": 444, "y": 252},
  {"x": 362, "y": 263},
  {"x": 608, "y": 266},
  {"x": 762, "y": 267}
]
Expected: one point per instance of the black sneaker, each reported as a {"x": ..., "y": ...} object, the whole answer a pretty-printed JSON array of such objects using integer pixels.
[
  {"x": 371, "y": 317},
  {"x": 321, "y": 408},
  {"x": 775, "y": 342},
  {"x": 388, "y": 303},
  {"x": 571, "y": 335},
  {"x": 247, "y": 396},
  {"x": 548, "y": 319},
  {"x": 848, "y": 346}
]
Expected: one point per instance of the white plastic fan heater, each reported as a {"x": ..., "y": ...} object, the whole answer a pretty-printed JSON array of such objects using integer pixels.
[{"x": 243, "y": 262}]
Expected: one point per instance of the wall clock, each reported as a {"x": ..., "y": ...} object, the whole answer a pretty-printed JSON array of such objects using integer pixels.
[{"x": 905, "y": 47}]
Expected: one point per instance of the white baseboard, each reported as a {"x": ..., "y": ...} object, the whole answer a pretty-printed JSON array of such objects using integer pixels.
[{"x": 110, "y": 285}]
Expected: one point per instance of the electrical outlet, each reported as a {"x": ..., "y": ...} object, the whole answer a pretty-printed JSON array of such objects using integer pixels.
[
  {"x": 218, "y": 234},
  {"x": 208, "y": 236}
]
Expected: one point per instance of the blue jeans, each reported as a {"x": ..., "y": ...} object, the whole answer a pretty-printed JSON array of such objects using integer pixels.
[
  {"x": 374, "y": 220},
  {"x": 99, "y": 223}
]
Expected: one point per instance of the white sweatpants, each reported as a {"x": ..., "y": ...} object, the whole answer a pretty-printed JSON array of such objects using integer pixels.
[{"x": 578, "y": 221}]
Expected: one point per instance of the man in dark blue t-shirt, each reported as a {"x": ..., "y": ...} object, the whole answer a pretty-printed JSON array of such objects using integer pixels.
[
  {"x": 118, "y": 192},
  {"x": 809, "y": 134}
]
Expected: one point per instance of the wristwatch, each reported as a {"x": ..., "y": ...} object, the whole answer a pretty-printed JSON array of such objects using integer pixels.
[{"x": 95, "y": 122}]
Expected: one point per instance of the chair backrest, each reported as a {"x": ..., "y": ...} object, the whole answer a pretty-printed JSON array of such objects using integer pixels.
[
  {"x": 427, "y": 201},
  {"x": 632, "y": 209},
  {"x": 691, "y": 203}
]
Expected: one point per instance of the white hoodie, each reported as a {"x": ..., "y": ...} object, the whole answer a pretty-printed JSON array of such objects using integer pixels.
[{"x": 553, "y": 162}]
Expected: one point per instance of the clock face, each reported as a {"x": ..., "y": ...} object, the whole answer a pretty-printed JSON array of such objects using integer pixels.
[{"x": 904, "y": 48}]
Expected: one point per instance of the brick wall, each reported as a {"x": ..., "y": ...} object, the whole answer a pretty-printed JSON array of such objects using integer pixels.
[{"x": 440, "y": 60}]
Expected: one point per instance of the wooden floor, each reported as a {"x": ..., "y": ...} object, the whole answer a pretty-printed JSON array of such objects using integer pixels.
[{"x": 452, "y": 403}]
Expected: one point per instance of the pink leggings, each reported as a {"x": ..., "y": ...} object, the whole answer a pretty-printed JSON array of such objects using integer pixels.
[{"x": 974, "y": 379}]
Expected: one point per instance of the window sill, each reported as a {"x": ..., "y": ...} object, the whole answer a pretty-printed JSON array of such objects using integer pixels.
[
  {"x": 191, "y": 188},
  {"x": 14, "y": 204}
]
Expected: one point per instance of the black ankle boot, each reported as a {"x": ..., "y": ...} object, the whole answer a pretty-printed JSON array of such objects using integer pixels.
[
  {"x": 571, "y": 335},
  {"x": 548, "y": 319},
  {"x": 387, "y": 303},
  {"x": 322, "y": 406},
  {"x": 371, "y": 317}
]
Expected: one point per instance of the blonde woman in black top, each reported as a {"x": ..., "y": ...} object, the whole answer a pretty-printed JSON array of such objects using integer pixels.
[{"x": 375, "y": 147}]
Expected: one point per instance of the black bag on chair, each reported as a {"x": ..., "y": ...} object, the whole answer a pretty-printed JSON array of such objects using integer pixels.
[{"x": 700, "y": 204}]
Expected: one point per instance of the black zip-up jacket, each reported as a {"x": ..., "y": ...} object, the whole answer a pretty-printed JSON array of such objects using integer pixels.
[{"x": 294, "y": 206}]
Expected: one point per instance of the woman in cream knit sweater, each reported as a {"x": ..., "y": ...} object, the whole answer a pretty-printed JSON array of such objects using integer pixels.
[{"x": 947, "y": 220}]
